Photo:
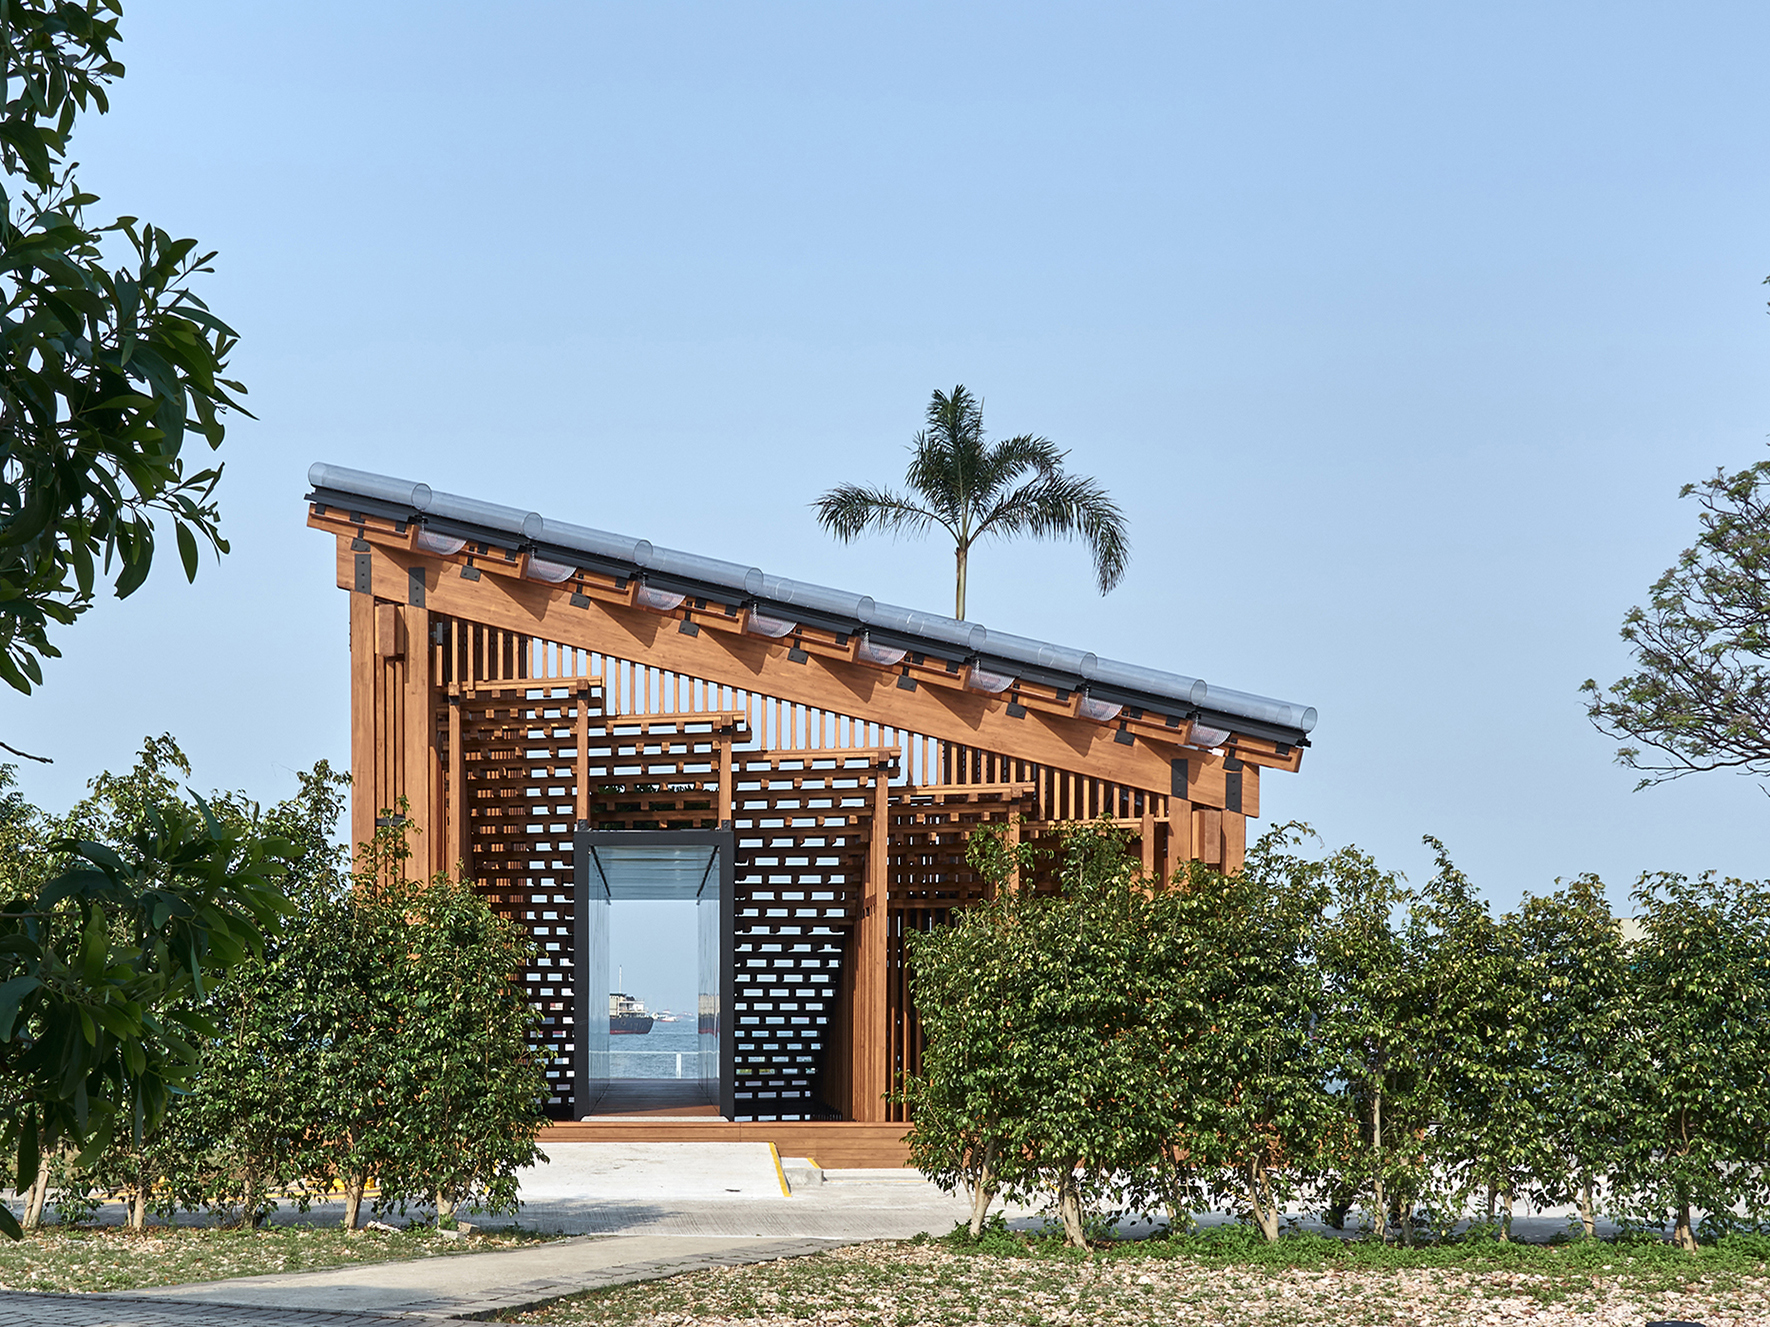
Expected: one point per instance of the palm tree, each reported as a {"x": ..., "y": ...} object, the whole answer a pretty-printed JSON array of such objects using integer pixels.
[{"x": 972, "y": 488}]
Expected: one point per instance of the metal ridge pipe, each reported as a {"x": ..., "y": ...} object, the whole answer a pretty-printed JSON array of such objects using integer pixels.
[
  {"x": 488, "y": 515},
  {"x": 1042, "y": 654},
  {"x": 1281, "y": 713},
  {"x": 425, "y": 501},
  {"x": 567, "y": 537},
  {"x": 668, "y": 562},
  {"x": 932, "y": 626},
  {"x": 361, "y": 483},
  {"x": 1150, "y": 681},
  {"x": 782, "y": 593}
]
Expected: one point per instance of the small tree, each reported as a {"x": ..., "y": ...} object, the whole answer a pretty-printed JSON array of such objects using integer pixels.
[
  {"x": 1043, "y": 1075},
  {"x": 1700, "y": 1119},
  {"x": 1481, "y": 1038},
  {"x": 1369, "y": 1003},
  {"x": 1575, "y": 964},
  {"x": 427, "y": 1078},
  {"x": 98, "y": 969},
  {"x": 966, "y": 978},
  {"x": 1258, "y": 1122}
]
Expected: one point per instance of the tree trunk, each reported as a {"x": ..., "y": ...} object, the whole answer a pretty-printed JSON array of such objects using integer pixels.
[
  {"x": 1506, "y": 1221},
  {"x": 1684, "y": 1237},
  {"x": 445, "y": 1208},
  {"x": 1493, "y": 1193},
  {"x": 1380, "y": 1214},
  {"x": 1260, "y": 1200},
  {"x": 1069, "y": 1207},
  {"x": 38, "y": 1195},
  {"x": 984, "y": 1191},
  {"x": 960, "y": 554},
  {"x": 1406, "y": 1217},
  {"x": 138, "y": 1208},
  {"x": 1587, "y": 1216},
  {"x": 353, "y": 1199}
]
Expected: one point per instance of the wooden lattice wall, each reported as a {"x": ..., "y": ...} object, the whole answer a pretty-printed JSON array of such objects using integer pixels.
[{"x": 850, "y": 830}]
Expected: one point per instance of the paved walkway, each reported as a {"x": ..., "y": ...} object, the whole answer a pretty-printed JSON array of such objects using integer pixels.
[
  {"x": 472, "y": 1285},
  {"x": 694, "y": 1206}
]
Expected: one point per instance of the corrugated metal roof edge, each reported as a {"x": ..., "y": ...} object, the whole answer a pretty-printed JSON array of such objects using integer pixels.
[{"x": 930, "y": 633}]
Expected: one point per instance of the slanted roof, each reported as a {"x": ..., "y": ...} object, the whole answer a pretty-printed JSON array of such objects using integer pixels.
[{"x": 557, "y": 549}]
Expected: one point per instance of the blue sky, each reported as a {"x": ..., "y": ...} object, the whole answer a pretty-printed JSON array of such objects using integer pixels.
[{"x": 1395, "y": 329}]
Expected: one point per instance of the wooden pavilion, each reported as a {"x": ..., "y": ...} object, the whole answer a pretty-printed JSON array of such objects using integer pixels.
[{"x": 571, "y": 717}]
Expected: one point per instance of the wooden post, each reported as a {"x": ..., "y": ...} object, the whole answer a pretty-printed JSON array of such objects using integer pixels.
[
  {"x": 1013, "y": 843},
  {"x": 418, "y": 739},
  {"x": 726, "y": 791},
  {"x": 1235, "y": 841},
  {"x": 363, "y": 758},
  {"x": 1179, "y": 834},
  {"x": 1207, "y": 836},
  {"x": 1147, "y": 830},
  {"x": 581, "y": 734},
  {"x": 872, "y": 1038},
  {"x": 457, "y": 812}
]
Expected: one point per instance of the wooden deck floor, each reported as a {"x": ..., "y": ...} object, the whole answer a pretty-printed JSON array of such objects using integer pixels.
[{"x": 842, "y": 1145}]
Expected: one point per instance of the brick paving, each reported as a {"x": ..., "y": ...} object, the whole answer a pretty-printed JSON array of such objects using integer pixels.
[{"x": 27, "y": 1309}]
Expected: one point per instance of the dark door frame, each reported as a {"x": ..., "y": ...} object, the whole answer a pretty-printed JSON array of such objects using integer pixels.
[{"x": 724, "y": 840}]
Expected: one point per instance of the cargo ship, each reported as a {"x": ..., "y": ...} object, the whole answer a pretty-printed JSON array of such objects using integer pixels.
[{"x": 627, "y": 1015}]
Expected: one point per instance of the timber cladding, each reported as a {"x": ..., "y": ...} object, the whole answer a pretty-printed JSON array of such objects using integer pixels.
[{"x": 503, "y": 713}]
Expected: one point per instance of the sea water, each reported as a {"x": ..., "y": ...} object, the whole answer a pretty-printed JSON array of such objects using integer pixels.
[{"x": 669, "y": 1050}]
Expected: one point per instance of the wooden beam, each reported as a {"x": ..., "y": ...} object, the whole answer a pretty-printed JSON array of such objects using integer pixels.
[{"x": 760, "y": 665}]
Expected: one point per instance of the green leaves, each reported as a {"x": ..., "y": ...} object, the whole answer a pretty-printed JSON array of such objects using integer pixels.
[
  {"x": 1318, "y": 1029},
  {"x": 1700, "y": 698},
  {"x": 100, "y": 938},
  {"x": 972, "y": 488},
  {"x": 107, "y": 356},
  {"x": 1699, "y": 1140}
]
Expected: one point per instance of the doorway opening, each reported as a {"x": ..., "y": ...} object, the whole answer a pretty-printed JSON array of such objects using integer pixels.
[{"x": 692, "y": 866}]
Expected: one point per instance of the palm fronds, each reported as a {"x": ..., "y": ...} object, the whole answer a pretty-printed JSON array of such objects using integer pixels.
[{"x": 970, "y": 488}]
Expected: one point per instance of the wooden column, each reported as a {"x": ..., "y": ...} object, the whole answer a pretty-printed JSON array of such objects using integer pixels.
[
  {"x": 1207, "y": 835},
  {"x": 581, "y": 773},
  {"x": 1014, "y": 842},
  {"x": 872, "y": 1038},
  {"x": 363, "y": 667},
  {"x": 1235, "y": 841},
  {"x": 417, "y": 738},
  {"x": 726, "y": 791},
  {"x": 1179, "y": 834},
  {"x": 1147, "y": 831},
  {"x": 457, "y": 812}
]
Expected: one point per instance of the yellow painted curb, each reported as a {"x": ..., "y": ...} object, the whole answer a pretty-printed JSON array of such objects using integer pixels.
[{"x": 779, "y": 1174}]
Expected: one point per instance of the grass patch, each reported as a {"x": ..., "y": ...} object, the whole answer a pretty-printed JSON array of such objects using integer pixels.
[
  {"x": 1223, "y": 1276},
  {"x": 108, "y": 1258}
]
